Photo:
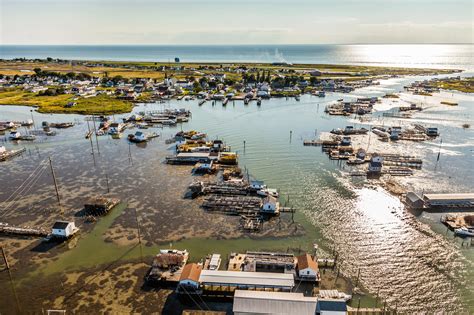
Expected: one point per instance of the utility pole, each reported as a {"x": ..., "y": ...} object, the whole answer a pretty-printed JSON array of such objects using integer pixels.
[
  {"x": 139, "y": 235},
  {"x": 55, "y": 183},
  {"x": 95, "y": 132},
  {"x": 5, "y": 258}
]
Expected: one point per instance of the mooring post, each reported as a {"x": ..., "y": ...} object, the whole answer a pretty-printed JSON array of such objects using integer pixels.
[
  {"x": 107, "y": 182},
  {"x": 358, "y": 275}
]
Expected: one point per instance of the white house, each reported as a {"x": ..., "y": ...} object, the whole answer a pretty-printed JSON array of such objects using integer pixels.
[
  {"x": 64, "y": 229},
  {"x": 270, "y": 205},
  {"x": 307, "y": 267},
  {"x": 190, "y": 277}
]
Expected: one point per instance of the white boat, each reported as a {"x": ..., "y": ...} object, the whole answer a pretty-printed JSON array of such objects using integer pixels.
[
  {"x": 15, "y": 135},
  {"x": 334, "y": 294},
  {"x": 116, "y": 128},
  {"x": 463, "y": 232},
  {"x": 268, "y": 192}
]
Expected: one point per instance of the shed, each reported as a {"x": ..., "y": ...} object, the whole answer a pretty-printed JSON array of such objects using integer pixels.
[
  {"x": 307, "y": 267},
  {"x": 63, "y": 229},
  {"x": 270, "y": 205},
  {"x": 261, "y": 302},
  {"x": 414, "y": 201},
  {"x": 190, "y": 276}
]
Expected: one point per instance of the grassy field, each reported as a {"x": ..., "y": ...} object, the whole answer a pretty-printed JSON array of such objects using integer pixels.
[
  {"x": 465, "y": 85},
  {"x": 101, "y": 104},
  {"x": 149, "y": 69}
]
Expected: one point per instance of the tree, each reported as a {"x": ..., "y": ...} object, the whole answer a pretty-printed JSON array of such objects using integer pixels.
[
  {"x": 49, "y": 59},
  {"x": 37, "y": 70}
]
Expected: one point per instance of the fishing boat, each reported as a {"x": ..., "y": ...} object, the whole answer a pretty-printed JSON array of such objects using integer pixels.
[
  {"x": 213, "y": 262},
  {"x": 61, "y": 125},
  {"x": 463, "y": 232},
  {"x": 15, "y": 135},
  {"x": 346, "y": 141},
  {"x": 137, "y": 137},
  {"x": 116, "y": 128},
  {"x": 268, "y": 192}
]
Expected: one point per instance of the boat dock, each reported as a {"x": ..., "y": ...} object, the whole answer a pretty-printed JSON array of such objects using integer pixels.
[
  {"x": 5, "y": 155},
  {"x": 99, "y": 206},
  {"x": 11, "y": 230}
]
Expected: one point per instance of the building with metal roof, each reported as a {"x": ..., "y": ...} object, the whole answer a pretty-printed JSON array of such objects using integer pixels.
[
  {"x": 449, "y": 200},
  {"x": 246, "y": 280},
  {"x": 261, "y": 302}
]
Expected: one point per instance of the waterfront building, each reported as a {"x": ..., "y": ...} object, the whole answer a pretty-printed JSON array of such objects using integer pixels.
[
  {"x": 307, "y": 268},
  {"x": 63, "y": 229}
]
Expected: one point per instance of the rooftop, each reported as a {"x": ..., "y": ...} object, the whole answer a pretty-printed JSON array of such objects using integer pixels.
[
  {"x": 247, "y": 278},
  {"x": 260, "y": 302}
]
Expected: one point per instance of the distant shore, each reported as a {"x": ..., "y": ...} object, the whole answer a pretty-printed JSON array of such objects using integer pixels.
[{"x": 107, "y": 87}]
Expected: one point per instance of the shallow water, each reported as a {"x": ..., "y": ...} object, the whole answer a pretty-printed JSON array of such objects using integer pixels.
[{"x": 407, "y": 257}]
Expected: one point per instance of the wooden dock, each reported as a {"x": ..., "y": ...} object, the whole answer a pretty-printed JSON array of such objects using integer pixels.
[
  {"x": 233, "y": 205},
  {"x": 11, "y": 230},
  {"x": 11, "y": 154}
]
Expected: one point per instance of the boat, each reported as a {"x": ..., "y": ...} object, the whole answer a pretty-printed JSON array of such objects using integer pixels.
[
  {"x": 168, "y": 122},
  {"x": 224, "y": 103},
  {"x": 138, "y": 137},
  {"x": 334, "y": 294},
  {"x": 213, "y": 262},
  {"x": 463, "y": 232},
  {"x": 297, "y": 98},
  {"x": 28, "y": 137},
  {"x": 142, "y": 125},
  {"x": 116, "y": 128},
  {"x": 346, "y": 141},
  {"x": 61, "y": 125},
  {"x": 15, "y": 135},
  {"x": 246, "y": 101},
  {"x": 268, "y": 192},
  {"x": 321, "y": 94}
]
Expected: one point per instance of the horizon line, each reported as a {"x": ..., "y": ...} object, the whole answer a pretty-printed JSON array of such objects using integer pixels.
[{"x": 248, "y": 44}]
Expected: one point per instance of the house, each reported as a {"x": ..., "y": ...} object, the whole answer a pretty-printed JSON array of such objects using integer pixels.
[
  {"x": 64, "y": 229},
  {"x": 307, "y": 267},
  {"x": 270, "y": 205},
  {"x": 331, "y": 307},
  {"x": 189, "y": 279},
  {"x": 414, "y": 201}
]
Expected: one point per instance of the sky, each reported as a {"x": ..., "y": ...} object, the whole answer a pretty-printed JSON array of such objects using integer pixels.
[{"x": 236, "y": 22}]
